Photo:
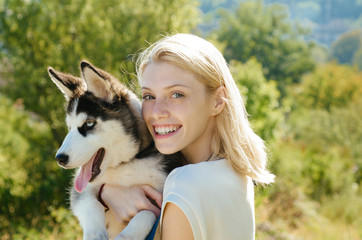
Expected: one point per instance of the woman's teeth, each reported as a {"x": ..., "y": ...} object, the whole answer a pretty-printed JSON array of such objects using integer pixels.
[{"x": 165, "y": 130}]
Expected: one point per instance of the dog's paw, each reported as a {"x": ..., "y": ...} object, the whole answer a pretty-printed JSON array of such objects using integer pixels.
[
  {"x": 132, "y": 231},
  {"x": 103, "y": 235}
]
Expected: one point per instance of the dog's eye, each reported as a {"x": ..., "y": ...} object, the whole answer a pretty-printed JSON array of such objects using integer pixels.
[{"x": 89, "y": 124}]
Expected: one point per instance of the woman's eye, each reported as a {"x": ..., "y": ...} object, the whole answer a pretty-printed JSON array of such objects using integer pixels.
[
  {"x": 147, "y": 97},
  {"x": 177, "y": 95}
]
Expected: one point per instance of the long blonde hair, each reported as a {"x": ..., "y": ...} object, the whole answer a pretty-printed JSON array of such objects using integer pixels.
[{"x": 234, "y": 139}]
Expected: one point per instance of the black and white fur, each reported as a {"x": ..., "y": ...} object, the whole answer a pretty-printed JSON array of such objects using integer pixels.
[{"x": 104, "y": 120}]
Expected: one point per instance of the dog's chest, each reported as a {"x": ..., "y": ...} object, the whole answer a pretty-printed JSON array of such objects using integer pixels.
[{"x": 137, "y": 172}]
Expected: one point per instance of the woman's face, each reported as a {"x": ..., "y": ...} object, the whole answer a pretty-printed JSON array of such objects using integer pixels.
[{"x": 177, "y": 110}]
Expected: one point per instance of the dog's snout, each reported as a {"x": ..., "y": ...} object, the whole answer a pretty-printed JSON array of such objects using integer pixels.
[{"x": 62, "y": 159}]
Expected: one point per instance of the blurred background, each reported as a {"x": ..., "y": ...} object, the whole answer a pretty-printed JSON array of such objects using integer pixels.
[{"x": 297, "y": 63}]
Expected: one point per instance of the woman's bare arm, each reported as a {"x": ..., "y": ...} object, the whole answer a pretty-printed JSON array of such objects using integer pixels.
[{"x": 175, "y": 225}]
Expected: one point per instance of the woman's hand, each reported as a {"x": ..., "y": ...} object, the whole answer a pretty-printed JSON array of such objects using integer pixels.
[{"x": 126, "y": 202}]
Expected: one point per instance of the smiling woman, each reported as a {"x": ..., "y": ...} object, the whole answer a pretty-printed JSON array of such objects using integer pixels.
[
  {"x": 172, "y": 97},
  {"x": 192, "y": 105}
]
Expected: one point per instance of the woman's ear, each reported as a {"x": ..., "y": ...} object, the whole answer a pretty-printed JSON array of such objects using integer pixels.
[{"x": 219, "y": 100}]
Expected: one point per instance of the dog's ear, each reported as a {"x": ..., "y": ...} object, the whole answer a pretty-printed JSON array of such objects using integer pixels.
[
  {"x": 99, "y": 82},
  {"x": 70, "y": 86}
]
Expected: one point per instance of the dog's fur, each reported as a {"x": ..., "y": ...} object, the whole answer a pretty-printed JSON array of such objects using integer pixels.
[{"x": 104, "y": 121}]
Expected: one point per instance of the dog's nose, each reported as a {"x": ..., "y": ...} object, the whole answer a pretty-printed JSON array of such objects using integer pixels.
[{"x": 62, "y": 159}]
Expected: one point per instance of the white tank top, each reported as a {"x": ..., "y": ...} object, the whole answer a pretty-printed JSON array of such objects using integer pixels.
[{"x": 218, "y": 202}]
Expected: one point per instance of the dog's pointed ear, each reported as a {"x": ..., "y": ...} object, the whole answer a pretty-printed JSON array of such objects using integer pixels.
[
  {"x": 70, "y": 86},
  {"x": 98, "y": 81}
]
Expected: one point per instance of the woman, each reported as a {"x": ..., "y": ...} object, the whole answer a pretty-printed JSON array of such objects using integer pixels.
[{"x": 192, "y": 104}]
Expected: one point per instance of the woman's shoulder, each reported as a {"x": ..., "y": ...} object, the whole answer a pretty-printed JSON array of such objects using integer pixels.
[
  {"x": 207, "y": 176},
  {"x": 192, "y": 171},
  {"x": 197, "y": 188}
]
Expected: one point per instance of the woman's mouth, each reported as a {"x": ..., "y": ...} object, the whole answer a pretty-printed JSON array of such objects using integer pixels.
[{"x": 166, "y": 130}]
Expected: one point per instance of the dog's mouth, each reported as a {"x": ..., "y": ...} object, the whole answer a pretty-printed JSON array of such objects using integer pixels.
[{"x": 89, "y": 171}]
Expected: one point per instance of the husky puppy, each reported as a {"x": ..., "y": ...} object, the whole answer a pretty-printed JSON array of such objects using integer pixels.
[{"x": 109, "y": 143}]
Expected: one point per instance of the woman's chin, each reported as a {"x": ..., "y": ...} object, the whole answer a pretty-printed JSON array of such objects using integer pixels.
[{"x": 167, "y": 150}]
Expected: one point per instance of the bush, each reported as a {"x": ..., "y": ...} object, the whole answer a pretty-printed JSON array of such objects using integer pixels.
[
  {"x": 30, "y": 179},
  {"x": 260, "y": 96},
  {"x": 330, "y": 85}
]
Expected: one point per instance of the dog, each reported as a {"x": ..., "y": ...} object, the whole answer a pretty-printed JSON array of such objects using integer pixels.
[{"x": 109, "y": 143}]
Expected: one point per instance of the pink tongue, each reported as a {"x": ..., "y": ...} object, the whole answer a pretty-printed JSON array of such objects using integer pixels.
[{"x": 84, "y": 176}]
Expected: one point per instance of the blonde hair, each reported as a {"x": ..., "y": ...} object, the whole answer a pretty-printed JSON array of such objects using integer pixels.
[{"x": 234, "y": 139}]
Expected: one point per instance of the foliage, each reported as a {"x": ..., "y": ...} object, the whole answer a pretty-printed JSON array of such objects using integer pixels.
[
  {"x": 30, "y": 179},
  {"x": 266, "y": 33},
  {"x": 330, "y": 85},
  {"x": 60, "y": 223},
  {"x": 336, "y": 133},
  {"x": 318, "y": 168},
  {"x": 38, "y": 34},
  {"x": 260, "y": 96},
  {"x": 357, "y": 58},
  {"x": 317, "y": 160},
  {"x": 326, "y": 124},
  {"x": 208, "y": 5},
  {"x": 347, "y": 45}
]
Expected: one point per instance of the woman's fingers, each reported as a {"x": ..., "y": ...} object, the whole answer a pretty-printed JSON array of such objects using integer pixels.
[
  {"x": 126, "y": 202},
  {"x": 153, "y": 194},
  {"x": 154, "y": 209}
]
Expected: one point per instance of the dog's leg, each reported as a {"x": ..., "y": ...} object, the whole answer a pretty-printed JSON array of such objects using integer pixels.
[
  {"x": 90, "y": 214},
  {"x": 91, "y": 217},
  {"x": 139, "y": 227}
]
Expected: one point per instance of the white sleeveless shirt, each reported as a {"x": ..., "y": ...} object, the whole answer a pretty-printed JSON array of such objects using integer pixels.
[{"x": 218, "y": 202}]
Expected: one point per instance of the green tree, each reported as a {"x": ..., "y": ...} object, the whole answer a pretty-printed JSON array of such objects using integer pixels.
[
  {"x": 38, "y": 34},
  {"x": 330, "y": 85},
  {"x": 30, "y": 179},
  {"x": 325, "y": 123},
  {"x": 346, "y": 46},
  {"x": 266, "y": 33},
  {"x": 260, "y": 96},
  {"x": 330, "y": 144}
]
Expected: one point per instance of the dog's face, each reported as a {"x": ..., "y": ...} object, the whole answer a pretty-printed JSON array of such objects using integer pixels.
[{"x": 100, "y": 121}]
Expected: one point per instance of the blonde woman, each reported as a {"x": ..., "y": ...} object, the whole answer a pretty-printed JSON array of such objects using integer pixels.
[{"x": 192, "y": 104}]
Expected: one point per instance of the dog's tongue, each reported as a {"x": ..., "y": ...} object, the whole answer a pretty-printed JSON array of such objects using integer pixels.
[{"x": 84, "y": 176}]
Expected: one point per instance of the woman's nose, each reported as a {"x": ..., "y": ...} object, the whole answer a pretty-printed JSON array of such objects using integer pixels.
[{"x": 160, "y": 109}]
